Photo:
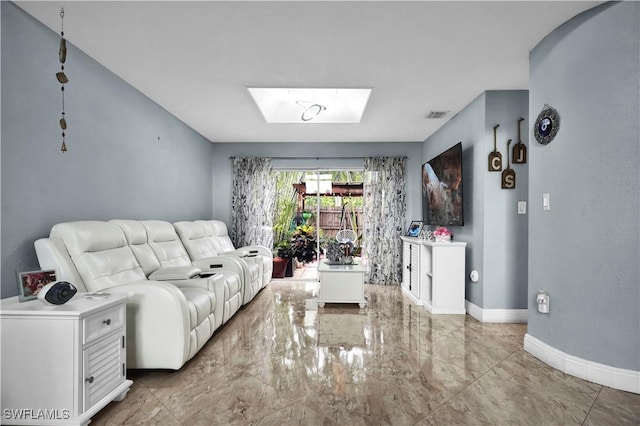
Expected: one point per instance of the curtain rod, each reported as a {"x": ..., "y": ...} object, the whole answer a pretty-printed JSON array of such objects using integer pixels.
[
  {"x": 320, "y": 158},
  {"x": 303, "y": 158}
]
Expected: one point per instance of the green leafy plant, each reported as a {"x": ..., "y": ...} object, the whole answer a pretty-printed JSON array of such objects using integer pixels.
[
  {"x": 303, "y": 242},
  {"x": 284, "y": 249}
]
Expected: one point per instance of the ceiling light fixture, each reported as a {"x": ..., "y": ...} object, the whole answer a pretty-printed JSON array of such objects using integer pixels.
[
  {"x": 319, "y": 105},
  {"x": 311, "y": 110}
]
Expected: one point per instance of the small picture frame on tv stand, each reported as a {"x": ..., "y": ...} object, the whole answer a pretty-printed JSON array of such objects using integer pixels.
[{"x": 415, "y": 228}]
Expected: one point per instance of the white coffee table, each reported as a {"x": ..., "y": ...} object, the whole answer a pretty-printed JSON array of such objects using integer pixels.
[{"x": 341, "y": 283}]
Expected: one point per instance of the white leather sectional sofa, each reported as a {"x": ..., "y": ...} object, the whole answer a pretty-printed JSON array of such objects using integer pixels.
[{"x": 176, "y": 301}]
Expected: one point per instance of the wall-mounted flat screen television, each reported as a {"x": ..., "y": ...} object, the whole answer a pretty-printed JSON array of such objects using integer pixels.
[{"x": 442, "y": 188}]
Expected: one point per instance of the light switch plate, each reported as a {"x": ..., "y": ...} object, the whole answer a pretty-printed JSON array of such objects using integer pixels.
[
  {"x": 522, "y": 207},
  {"x": 546, "y": 202}
]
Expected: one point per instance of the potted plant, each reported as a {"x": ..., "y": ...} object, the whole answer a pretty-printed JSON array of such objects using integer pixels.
[
  {"x": 282, "y": 263},
  {"x": 303, "y": 242}
]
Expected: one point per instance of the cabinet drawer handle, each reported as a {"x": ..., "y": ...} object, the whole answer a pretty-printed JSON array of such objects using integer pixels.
[
  {"x": 90, "y": 379},
  {"x": 107, "y": 321}
]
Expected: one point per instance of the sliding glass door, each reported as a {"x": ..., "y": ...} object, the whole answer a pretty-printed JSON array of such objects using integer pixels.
[{"x": 311, "y": 207}]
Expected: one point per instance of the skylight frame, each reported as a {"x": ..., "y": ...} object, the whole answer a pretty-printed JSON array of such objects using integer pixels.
[{"x": 287, "y": 105}]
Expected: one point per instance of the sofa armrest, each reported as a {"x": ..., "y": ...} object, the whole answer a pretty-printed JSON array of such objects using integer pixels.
[
  {"x": 213, "y": 283},
  {"x": 229, "y": 262},
  {"x": 251, "y": 251},
  {"x": 254, "y": 250},
  {"x": 219, "y": 263},
  {"x": 157, "y": 324},
  {"x": 175, "y": 273}
]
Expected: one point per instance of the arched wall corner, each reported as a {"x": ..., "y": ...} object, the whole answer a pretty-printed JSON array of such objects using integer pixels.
[{"x": 584, "y": 249}]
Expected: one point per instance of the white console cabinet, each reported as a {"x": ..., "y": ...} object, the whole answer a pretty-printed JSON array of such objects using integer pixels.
[
  {"x": 341, "y": 283},
  {"x": 62, "y": 364},
  {"x": 434, "y": 274}
]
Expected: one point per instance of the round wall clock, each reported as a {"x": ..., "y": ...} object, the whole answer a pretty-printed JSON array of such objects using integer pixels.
[{"x": 546, "y": 125}]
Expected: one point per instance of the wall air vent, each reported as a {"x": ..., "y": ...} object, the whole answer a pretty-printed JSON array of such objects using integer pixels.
[{"x": 437, "y": 114}]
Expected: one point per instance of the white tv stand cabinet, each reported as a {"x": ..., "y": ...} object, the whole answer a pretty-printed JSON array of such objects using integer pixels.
[
  {"x": 62, "y": 364},
  {"x": 433, "y": 274}
]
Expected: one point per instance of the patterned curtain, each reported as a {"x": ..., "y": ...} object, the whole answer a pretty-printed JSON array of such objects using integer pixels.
[
  {"x": 384, "y": 218},
  {"x": 252, "y": 202}
]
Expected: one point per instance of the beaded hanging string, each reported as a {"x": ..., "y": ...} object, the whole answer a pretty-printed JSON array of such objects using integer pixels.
[{"x": 62, "y": 78}]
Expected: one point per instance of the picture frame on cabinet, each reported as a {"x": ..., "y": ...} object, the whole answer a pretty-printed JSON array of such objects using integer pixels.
[
  {"x": 31, "y": 282},
  {"x": 415, "y": 228}
]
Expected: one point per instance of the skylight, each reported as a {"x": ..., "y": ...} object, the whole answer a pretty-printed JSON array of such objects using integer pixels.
[{"x": 310, "y": 105}]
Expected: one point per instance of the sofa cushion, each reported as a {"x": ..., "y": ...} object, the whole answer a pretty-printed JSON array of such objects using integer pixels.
[
  {"x": 133, "y": 230},
  {"x": 221, "y": 235},
  {"x": 136, "y": 235},
  {"x": 166, "y": 244},
  {"x": 100, "y": 252},
  {"x": 196, "y": 237},
  {"x": 88, "y": 236}
]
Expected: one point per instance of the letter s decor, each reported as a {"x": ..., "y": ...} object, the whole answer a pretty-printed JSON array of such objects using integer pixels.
[{"x": 508, "y": 175}]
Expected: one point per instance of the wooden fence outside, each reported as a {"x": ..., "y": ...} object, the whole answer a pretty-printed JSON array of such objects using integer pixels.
[{"x": 330, "y": 221}]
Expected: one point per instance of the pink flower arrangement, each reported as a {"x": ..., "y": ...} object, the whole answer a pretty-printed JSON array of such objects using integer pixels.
[{"x": 442, "y": 232}]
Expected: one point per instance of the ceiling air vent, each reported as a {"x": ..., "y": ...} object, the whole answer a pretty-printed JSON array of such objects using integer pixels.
[{"x": 437, "y": 114}]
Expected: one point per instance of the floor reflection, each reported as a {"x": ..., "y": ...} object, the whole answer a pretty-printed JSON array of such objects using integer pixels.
[
  {"x": 283, "y": 361},
  {"x": 342, "y": 330}
]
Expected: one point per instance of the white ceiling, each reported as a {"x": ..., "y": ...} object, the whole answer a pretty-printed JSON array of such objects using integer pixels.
[{"x": 196, "y": 58}]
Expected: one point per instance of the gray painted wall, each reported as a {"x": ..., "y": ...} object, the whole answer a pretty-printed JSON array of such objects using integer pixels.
[
  {"x": 505, "y": 231},
  {"x": 311, "y": 155},
  {"x": 495, "y": 234},
  {"x": 585, "y": 251},
  {"x": 127, "y": 158},
  {"x": 469, "y": 127}
]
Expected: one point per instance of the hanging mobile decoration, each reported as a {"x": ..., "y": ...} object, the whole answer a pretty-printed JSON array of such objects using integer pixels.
[
  {"x": 519, "y": 149},
  {"x": 62, "y": 78}
]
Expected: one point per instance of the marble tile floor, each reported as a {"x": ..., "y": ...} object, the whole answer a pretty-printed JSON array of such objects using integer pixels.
[
  {"x": 306, "y": 271},
  {"x": 283, "y": 361}
]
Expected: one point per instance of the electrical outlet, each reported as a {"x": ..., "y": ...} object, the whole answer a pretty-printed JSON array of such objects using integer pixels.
[{"x": 543, "y": 302}]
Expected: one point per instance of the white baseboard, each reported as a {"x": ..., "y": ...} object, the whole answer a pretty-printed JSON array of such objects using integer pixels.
[
  {"x": 613, "y": 377},
  {"x": 411, "y": 296},
  {"x": 431, "y": 309},
  {"x": 496, "y": 315}
]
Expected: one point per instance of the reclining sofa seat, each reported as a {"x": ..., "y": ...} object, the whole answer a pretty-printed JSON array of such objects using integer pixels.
[
  {"x": 183, "y": 273},
  {"x": 197, "y": 239},
  {"x": 170, "y": 251},
  {"x": 166, "y": 324},
  {"x": 225, "y": 245}
]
